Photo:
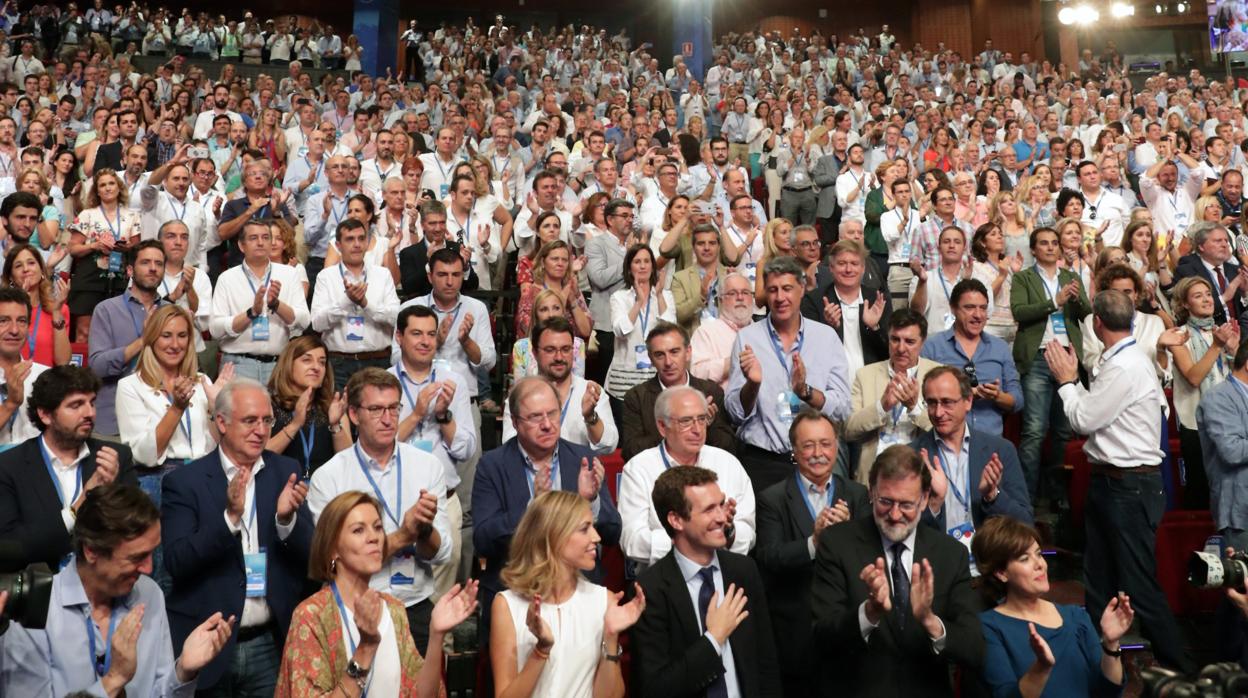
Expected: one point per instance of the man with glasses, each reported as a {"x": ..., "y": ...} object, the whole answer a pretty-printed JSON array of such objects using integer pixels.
[
  {"x": 986, "y": 359},
  {"x": 683, "y": 416},
  {"x": 1108, "y": 213},
  {"x": 259, "y": 200},
  {"x": 257, "y": 307},
  {"x": 410, "y": 484},
  {"x": 655, "y": 206},
  {"x": 908, "y": 611},
  {"x": 925, "y": 246},
  {"x": 605, "y": 269},
  {"x": 535, "y": 461},
  {"x": 591, "y": 424},
  {"x": 714, "y": 339},
  {"x": 236, "y": 537}
]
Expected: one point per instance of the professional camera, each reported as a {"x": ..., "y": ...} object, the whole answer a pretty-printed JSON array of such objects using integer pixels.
[
  {"x": 29, "y": 587},
  {"x": 1214, "y": 681},
  {"x": 1206, "y": 570}
]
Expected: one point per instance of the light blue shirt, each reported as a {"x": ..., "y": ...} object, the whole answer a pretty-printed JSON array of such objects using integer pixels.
[
  {"x": 56, "y": 661},
  {"x": 429, "y": 432},
  {"x": 993, "y": 361},
  {"x": 827, "y": 370},
  {"x": 957, "y": 468},
  {"x": 693, "y": 582}
]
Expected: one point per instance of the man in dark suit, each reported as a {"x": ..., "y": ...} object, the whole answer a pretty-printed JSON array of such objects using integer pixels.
[
  {"x": 668, "y": 348},
  {"x": 1211, "y": 259},
  {"x": 44, "y": 480},
  {"x": 958, "y": 456},
  {"x": 891, "y": 600},
  {"x": 846, "y": 297},
  {"x": 533, "y": 462},
  {"x": 237, "y": 536},
  {"x": 706, "y": 630},
  {"x": 414, "y": 259},
  {"x": 790, "y": 516}
]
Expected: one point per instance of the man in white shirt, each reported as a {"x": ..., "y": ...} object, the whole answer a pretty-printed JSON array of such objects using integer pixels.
[
  {"x": 18, "y": 376},
  {"x": 257, "y": 307},
  {"x": 440, "y": 164},
  {"x": 1119, "y": 415},
  {"x": 853, "y": 185},
  {"x": 1173, "y": 206},
  {"x": 184, "y": 284},
  {"x": 436, "y": 418},
  {"x": 546, "y": 197},
  {"x": 682, "y": 415},
  {"x": 159, "y": 205},
  {"x": 306, "y": 175},
  {"x": 472, "y": 225},
  {"x": 354, "y": 306},
  {"x": 374, "y": 172},
  {"x": 1103, "y": 209},
  {"x": 220, "y": 102},
  {"x": 399, "y": 475}
]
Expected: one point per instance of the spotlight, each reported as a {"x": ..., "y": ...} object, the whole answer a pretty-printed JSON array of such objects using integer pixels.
[
  {"x": 1121, "y": 9},
  {"x": 1181, "y": 7},
  {"x": 1066, "y": 15},
  {"x": 1086, "y": 14},
  {"x": 1159, "y": 9}
]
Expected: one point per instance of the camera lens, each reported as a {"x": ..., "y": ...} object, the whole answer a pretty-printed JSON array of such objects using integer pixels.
[{"x": 30, "y": 591}]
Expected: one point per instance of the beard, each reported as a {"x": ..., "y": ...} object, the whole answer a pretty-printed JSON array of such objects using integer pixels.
[
  {"x": 738, "y": 316},
  {"x": 895, "y": 533}
]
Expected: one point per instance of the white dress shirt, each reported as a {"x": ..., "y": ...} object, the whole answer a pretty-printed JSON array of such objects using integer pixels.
[
  {"x": 1121, "y": 414},
  {"x": 140, "y": 407},
  {"x": 398, "y": 485},
  {"x": 1107, "y": 206},
  {"x": 256, "y": 610},
  {"x": 851, "y": 335},
  {"x": 466, "y": 230},
  {"x": 643, "y": 538},
  {"x": 452, "y": 350},
  {"x": 865, "y": 626},
  {"x": 18, "y": 428},
  {"x": 898, "y": 235},
  {"x": 159, "y": 207},
  {"x": 203, "y": 289},
  {"x": 346, "y": 327},
  {"x": 69, "y": 480},
  {"x": 429, "y": 433},
  {"x": 572, "y": 427},
  {"x": 373, "y": 174},
  {"x": 1172, "y": 211},
  {"x": 235, "y": 293}
]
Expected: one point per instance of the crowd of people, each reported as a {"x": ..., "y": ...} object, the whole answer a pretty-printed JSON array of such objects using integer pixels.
[{"x": 837, "y": 306}]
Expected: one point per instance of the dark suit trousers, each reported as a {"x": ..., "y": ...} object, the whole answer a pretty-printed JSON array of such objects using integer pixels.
[
  {"x": 313, "y": 266},
  {"x": 597, "y": 364},
  {"x": 764, "y": 467}
]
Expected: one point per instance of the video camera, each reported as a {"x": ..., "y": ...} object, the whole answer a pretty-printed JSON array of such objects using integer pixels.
[
  {"x": 1213, "y": 569},
  {"x": 29, "y": 587},
  {"x": 1214, "y": 681}
]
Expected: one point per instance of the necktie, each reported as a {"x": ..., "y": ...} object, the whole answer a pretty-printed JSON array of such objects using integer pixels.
[
  {"x": 1221, "y": 278},
  {"x": 901, "y": 585},
  {"x": 719, "y": 688},
  {"x": 543, "y": 478}
]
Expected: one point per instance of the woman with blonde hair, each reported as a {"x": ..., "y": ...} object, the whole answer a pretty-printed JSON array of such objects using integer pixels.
[
  {"x": 47, "y": 339},
  {"x": 777, "y": 242},
  {"x": 347, "y": 625},
  {"x": 99, "y": 236},
  {"x": 552, "y": 632},
  {"x": 282, "y": 250},
  {"x": 310, "y": 421},
  {"x": 546, "y": 304},
  {"x": 1209, "y": 209},
  {"x": 1004, "y": 211}
]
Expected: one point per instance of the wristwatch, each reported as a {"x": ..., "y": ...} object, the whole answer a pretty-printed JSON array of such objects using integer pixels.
[
  {"x": 356, "y": 671},
  {"x": 443, "y": 417},
  {"x": 251, "y": 314},
  {"x": 592, "y": 419},
  {"x": 807, "y": 391}
]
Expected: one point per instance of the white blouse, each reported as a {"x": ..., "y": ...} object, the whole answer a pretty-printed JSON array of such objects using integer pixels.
[{"x": 140, "y": 408}]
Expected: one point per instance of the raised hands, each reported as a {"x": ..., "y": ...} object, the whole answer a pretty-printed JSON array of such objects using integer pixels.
[
  {"x": 990, "y": 480},
  {"x": 940, "y": 483},
  {"x": 620, "y": 617},
  {"x": 203, "y": 645},
  {"x": 589, "y": 479},
  {"x": 453, "y": 608},
  {"x": 290, "y": 499},
  {"x": 879, "y": 600},
  {"x": 832, "y": 313},
  {"x": 723, "y": 616},
  {"x": 418, "y": 519},
  {"x": 750, "y": 366},
  {"x": 538, "y": 626}
]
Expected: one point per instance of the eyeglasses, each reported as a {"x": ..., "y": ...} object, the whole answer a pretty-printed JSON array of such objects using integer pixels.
[
  {"x": 740, "y": 292},
  {"x": 808, "y": 243},
  {"x": 553, "y": 351},
  {"x": 686, "y": 423},
  {"x": 253, "y": 422},
  {"x": 376, "y": 411},
  {"x": 884, "y": 504},
  {"x": 534, "y": 420}
]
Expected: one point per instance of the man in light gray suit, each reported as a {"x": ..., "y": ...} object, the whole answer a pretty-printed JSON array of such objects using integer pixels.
[
  {"x": 1222, "y": 418},
  {"x": 824, "y": 174}
]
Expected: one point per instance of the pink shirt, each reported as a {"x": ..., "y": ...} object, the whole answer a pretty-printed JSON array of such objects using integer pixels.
[{"x": 712, "y": 349}]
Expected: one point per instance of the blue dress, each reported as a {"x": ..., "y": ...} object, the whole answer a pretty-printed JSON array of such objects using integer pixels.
[{"x": 1076, "y": 648}]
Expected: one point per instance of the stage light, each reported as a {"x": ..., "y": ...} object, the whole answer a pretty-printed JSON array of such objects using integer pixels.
[
  {"x": 1086, "y": 14},
  {"x": 1181, "y": 7},
  {"x": 1066, "y": 15},
  {"x": 1159, "y": 9},
  {"x": 1121, "y": 9}
]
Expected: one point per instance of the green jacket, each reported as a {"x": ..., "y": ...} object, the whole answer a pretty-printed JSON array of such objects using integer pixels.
[
  {"x": 1032, "y": 306},
  {"x": 873, "y": 209}
]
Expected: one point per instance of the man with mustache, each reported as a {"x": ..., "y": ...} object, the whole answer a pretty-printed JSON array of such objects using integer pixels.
[
  {"x": 791, "y": 516},
  {"x": 891, "y": 600},
  {"x": 592, "y": 423},
  {"x": 38, "y": 505},
  {"x": 399, "y": 475},
  {"x": 713, "y": 340}
]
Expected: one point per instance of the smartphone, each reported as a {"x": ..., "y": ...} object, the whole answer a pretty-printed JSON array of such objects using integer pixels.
[
  {"x": 1120, "y": 148},
  {"x": 197, "y": 152}
]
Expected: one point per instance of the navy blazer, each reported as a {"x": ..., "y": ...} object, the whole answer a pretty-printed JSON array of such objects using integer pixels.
[
  {"x": 1192, "y": 265},
  {"x": 1013, "y": 500},
  {"x": 500, "y": 496},
  {"x": 205, "y": 560}
]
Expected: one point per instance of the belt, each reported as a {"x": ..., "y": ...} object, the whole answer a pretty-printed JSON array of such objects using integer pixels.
[
  {"x": 361, "y": 355},
  {"x": 262, "y": 358},
  {"x": 1119, "y": 473},
  {"x": 899, "y": 264},
  {"x": 797, "y": 189},
  {"x": 255, "y": 631}
]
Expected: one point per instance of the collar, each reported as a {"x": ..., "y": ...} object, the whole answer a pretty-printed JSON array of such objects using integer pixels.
[
  {"x": 83, "y": 452},
  {"x": 912, "y": 372},
  {"x": 528, "y": 460},
  {"x": 689, "y": 569},
  {"x": 1212, "y": 267},
  {"x": 681, "y": 385},
  {"x": 373, "y": 463},
  {"x": 1112, "y": 352},
  {"x": 807, "y": 485},
  {"x": 268, "y": 269},
  {"x": 966, "y": 440},
  {"x": 856, "y": 302},
  {"x": 74, "y": 594},
  {"x": 230, "y": 468}
]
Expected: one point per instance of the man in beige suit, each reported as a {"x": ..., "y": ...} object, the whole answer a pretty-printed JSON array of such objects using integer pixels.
[
  {"x": 696, "y": 288},
  {"x": 886, "y": 399}
]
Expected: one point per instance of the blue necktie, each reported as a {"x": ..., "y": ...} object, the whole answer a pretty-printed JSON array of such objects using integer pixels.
[
  {"x": 901, "y": 585},
  {"x": 719, "y": 688}
]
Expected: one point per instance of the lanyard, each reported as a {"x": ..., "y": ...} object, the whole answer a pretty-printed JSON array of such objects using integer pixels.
[
  {"x": 666, "y": 462},
  {"x": 307, "y": 437},
  {"x": 398, "y": 457},
  {"x": 115, "y": 231},
  {"x": 342, "y": 270},
  {"x": 56, "y": 482},
  {"x": 319, "y": 167},
  {"x": 267, "y": 275},
  {"x": 34, "y": 329},
  {"x": 530, "y": 471},
  {"x": 439, "y": 312},
  {"x": 1057, "y": 285},
  {"x": 184, "y": 424},
  {"x": 779, "y": 349},
  {"x": 563, "y": 413},
  {"x": 342, "y": 611},
  {"x": 465, "y": 229},
  {"x": 174, "y": 207},
  {"x": 1118, "y": 351},
  {"x": 404, "y": 380},
  {"x": 444, "y": 170},
  {"x": 101, "y": 667},
  {"x": 333, "y": 208},
  {"x": 749, "y": 251},
  {"x": 806, "y": 491},
  {"x": 380, "y": 175},
  {"x": 645, "y": 316},
  {"x": 953, "y": 486},
  {"x": 944, "y": 285}
]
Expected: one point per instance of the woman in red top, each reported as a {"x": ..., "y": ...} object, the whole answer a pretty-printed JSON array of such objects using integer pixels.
[
  {"x": 555, "y": 270},
  {"x": 48, "y": 340}
]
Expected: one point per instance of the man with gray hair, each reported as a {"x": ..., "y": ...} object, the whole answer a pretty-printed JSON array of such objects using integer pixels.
[
  {"x": 1211, "y": 259},
  {"x": 713, "y": 340},
  {"x": 238, "y": 504},
  {"x": 683, "y": 416},
  {"x": 1125, "y": 497}
]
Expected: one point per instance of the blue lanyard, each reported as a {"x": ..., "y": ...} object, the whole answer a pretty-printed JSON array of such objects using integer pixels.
[
  {"x": 184, "y": 424},
  {"x": 645, "y": 315},
  {"x": 115, "y": 231},
  {"x": 267, "y": 275},
  {"x": 34, "y": 329},
  {"x": 1057, "y": 285},
  {"x": 174, "y": 207},
  {"x": 342, "y": 611},
  {"x": 439, "y": 312},
  {"x": 666, "y": 462},
  {"x": 801, "y": 487},
  {"x": 749, "y": 251},
  {"x": 940, "y": 274},
  {"x": 381, "y": 176},
  {"x": 779, "y": 349},
  {"x": 333, "y": 209},
  {"x": 307, "y": 437},
  {"x": 962, "y": 498},
  {"x": 101, "y": 667},
  {"x": 443, "y": 170},
  {"x": 404, "y": 380},
  {"x": 319, "y": 166},
  {"x": 47, "y": 463},
  {"x": 398, "y": 521},
  {"x": 1118, "y": 351},
  {"x": 530, "y": 471},
  {"x": 342, "y": 271},
  {"x": 563, "y": 413}
]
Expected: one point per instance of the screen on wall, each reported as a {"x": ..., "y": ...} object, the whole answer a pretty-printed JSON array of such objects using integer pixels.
[{"x": 1228, "y": 25}]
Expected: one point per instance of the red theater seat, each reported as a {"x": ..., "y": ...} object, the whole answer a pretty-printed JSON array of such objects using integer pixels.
[
  {"x": 1179, "y": 534},
  {"x": 1080, "y": 477},
  {"x": 612, "y": 556}
]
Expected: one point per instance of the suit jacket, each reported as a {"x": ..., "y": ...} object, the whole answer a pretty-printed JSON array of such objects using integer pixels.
[
  {"x": 1222, "y": 418},
  {"x": 1013, "y": 499},
  {"x": 864, "y": 421},
  {"x": 874, "y": 342},
  {"x": 1191, "y": 265},
  {"x": 892, "y": 662},
  {"x": 824, "y": 175},
  {"x": 1032, "y": 306},
  {"x": 414, "y": 271},
  {"x": 639, "y": 431},
  {"x": 205, "y": 559},
  {"x": 672, "y": 658},
  {"x": 784, "y": 526},
  {"x": 687, "y": 292},
  {"x": 30, "y": 510},
  {"x": 500, "y": 496}
]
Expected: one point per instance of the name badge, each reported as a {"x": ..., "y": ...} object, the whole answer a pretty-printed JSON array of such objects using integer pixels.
[
  {"x": 425, "y": 445},
  {"x": 444, "y": 367},
  {"x": 964, "y": 534},
  {"x": 403, "y": 568},
  {"x": 355, "y": 328},
  {"x": 302, "y": 152},
  {"x": 312, "y": 189},
  {"x": 751, "y": 271},
  {"x": 788, "y": 404},
  {"x": 947, "y": 320},
  {"x": 799, "y": 176},
  {"x": 1180, "y": 217},
  {"x": 444, "y": 190},
  {"x": 1059, "y": 323},
  {"x": 260, "y": 328},
  {"x": 255, "y": 565},
  {"x": 643, "y": 359},
  {"x": 115, "y": 260},
  {"x": 888, "y": 437}
]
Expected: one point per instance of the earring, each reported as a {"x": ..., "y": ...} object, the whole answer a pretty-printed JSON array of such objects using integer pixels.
[{"x": 333, "y": 566}]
